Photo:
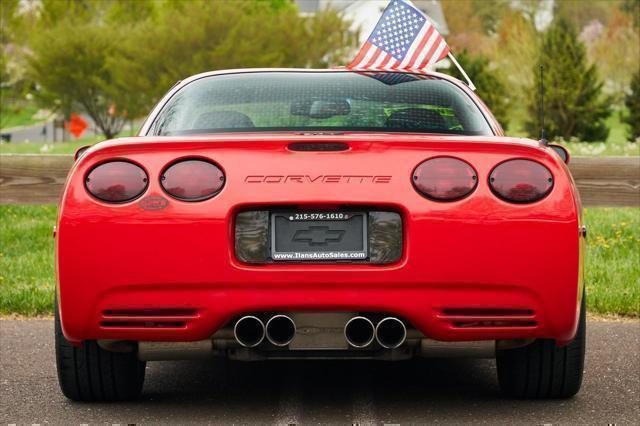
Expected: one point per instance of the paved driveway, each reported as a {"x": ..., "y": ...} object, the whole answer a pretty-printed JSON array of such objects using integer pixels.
[{"x": 445, "y": 391}]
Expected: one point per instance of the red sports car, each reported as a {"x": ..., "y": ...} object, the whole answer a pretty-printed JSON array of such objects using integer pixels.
[{"x": 282, "y": 213}]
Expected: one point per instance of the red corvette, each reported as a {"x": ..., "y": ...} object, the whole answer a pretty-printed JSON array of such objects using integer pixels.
[{"x": 270, "y": 214}]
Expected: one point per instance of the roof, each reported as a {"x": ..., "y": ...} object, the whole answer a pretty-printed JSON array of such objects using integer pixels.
[{"x": 314, "y": 70}]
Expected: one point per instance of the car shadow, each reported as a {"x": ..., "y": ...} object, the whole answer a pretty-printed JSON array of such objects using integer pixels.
[
  {"x": 325, "y": 387},
  {"x": 220, "y": 391}
]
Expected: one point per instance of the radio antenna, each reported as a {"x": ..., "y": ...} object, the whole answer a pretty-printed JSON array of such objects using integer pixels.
[{"x": 543, "y": 139}]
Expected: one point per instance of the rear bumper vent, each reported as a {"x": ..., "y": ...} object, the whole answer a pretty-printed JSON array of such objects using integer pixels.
[
  {"x": 489, "y": 318},
  {"x": 148, "y": 318}
]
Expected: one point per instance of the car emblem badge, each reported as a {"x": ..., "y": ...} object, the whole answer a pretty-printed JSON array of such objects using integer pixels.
[
  {"x": 153, "y": 202},
  {"x": 318, "y": 236}
]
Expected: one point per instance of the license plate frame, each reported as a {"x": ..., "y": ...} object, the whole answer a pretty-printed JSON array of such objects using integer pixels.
[{"x": 318, "y": 236}]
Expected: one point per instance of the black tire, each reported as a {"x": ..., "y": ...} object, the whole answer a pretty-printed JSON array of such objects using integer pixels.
[
  {"x": 89, "y": 373},
  {"x": 543, "y": 370}
]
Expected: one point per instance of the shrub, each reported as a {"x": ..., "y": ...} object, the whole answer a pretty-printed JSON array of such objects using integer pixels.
[
  {"x": 489, "y": 84},
  {"x": 632, "y": 101},
  {"x": 574, "y": 104},
  {"x": 114, "y": 60},
  {"x": 70, "y": 65}
]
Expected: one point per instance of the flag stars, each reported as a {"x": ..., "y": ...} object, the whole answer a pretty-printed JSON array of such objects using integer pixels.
[{"x": 397, "y": 29}]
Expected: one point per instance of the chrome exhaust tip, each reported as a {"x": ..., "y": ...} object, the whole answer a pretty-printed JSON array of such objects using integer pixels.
[
  {"x": 359, "y": 332},
  {"x": 249, "y": 331},
  {"x": 281, "y": 330},
  {"x": 391, "y": 333}
]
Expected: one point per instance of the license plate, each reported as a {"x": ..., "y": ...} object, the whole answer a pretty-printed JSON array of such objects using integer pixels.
[{"x": 318, "y": 236}]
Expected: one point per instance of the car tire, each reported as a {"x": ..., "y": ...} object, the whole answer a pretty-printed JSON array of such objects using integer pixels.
[
  {"x": 542, "y": 369},
  {"x": 89, "y": 373}
]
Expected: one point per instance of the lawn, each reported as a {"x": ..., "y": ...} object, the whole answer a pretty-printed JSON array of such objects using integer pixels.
[
  {"x": 27, "y": 277},
  {"x": 69, "y": 147},
  {"x": 613, "y": 260},
  {"x": 14, "y": 116},
  {"x": 616, "y": 143},
  {"x": 48, "y": 148}
]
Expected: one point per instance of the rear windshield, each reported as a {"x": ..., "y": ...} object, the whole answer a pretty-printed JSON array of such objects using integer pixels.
[{"x": 327, "y": 101}]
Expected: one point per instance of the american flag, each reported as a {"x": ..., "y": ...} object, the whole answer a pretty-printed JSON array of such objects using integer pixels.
[{"x": 403, "y": 39}]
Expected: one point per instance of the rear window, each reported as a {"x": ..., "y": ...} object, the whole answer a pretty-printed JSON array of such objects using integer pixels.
[{"x": 327, "y": 101}]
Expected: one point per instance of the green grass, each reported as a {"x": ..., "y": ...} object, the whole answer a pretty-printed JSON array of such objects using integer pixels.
[
  {"x": 14, "y": 116},
  {"x": 27, "y": 275},
  {"x": 69, "y": 147},
  {"x": 613, "y": 260},
  {"x": 48, "y": 148},
  {"x": 26, "y": 259},
  {"x": 616, "y": 143}
]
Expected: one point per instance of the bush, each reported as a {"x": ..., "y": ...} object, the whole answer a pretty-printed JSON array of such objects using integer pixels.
[
  {"x": 632, "y": 101},
  {"x": 187, "y": 38},
  {"x": 489, "y": 84},
  {"x": 69, "y": 62},
  {"x": 114, "y": 60},
  {"x": 574, "y": 104}
]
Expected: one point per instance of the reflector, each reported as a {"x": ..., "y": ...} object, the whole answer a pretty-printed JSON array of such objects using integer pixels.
[
  {"x": 192, "y": 180},
  {"x": 445, "y": 178},
  {"x": 116, "y": 181},
  {"x": 521, "y": 181}
]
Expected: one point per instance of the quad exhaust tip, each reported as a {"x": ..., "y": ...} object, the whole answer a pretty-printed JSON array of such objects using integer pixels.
[
  {"x": 359, "y": 332},
  {"x": 249, "y": 331},
  {"x": 280, "y": 330},
  {"x": 391, "y": 333}
]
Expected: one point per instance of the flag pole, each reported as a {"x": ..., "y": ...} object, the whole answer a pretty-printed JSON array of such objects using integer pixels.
[{"x": 469, "y": 82}]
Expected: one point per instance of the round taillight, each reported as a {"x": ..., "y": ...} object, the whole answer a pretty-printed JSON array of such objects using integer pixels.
[
  {"x": 521, "y": 181},
  {"x": 445, "y": 179},
  {"x": 116, "y": 181},
  {"x": 192, "y": 180}
]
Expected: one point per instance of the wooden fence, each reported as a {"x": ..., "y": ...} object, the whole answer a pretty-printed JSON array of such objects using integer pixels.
[{"x": 38, "y": 179}]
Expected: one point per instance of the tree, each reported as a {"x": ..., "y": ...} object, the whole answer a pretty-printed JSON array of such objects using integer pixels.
[
  {"x": 4, "y": 78},
  {"x": 574, "y": 104},
  {"x": 490, "y": 13},
  {"x": 515, "y": 47},
  {"x": 466, "y": 28},
  {"x": 632, "y": 102},
  {"x": 114, "y": 60},
  {"x": 69, "y": 62},
  {"x": 489, "y": 84},
  {"x": 13, "y": 82},
  {"x": 632, "y": 7},
  {"x": 616, "y": 50},
  {"x": 187, "y": 38},
  {"x": 581, "y": 14}
]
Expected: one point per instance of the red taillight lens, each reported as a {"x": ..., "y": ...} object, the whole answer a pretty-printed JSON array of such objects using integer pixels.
[
  {"x": 521, "y": 181},
  {"x": 192, "y": 180},
  {"x": 445, "y": 179},
  {"x": 116, "y": 181}
]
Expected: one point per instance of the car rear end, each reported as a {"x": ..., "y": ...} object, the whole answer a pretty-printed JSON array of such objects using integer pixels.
[
  {"x": 164, "y": 268},
  {"x": 259, "y": 245}
]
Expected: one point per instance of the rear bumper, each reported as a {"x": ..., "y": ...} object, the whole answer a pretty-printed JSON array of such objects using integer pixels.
[
  {"x": 456, "y": 281},
  {"x": 444, "y": 312},
  {"x": 478, "y": 268}
]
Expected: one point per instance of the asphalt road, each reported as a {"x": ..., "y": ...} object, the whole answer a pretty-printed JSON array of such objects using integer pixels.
[{"x": 296, "y": 392}]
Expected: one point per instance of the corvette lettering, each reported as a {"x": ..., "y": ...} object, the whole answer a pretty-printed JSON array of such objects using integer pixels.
[{"x": 317, "y": 179}]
